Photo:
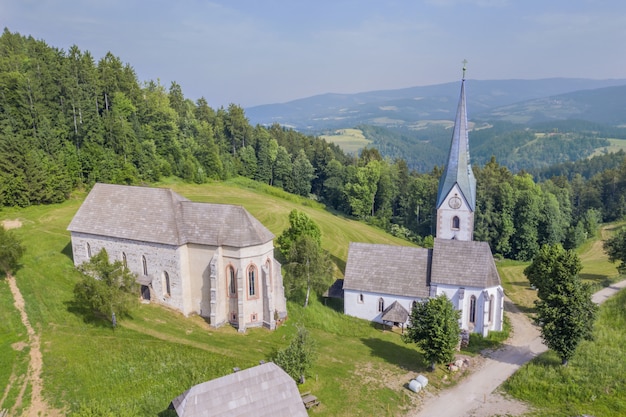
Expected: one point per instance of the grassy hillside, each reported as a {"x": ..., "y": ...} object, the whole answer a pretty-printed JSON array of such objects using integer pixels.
[
  {"x": 136, "y": 369},
  {"x": 351, "y": 141},
  {"x": 593, "y": 383},
  {"x": 157, "y": 354}
]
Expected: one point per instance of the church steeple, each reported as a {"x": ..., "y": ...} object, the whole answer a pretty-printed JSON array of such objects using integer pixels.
[{"x": 457, "y": 186}]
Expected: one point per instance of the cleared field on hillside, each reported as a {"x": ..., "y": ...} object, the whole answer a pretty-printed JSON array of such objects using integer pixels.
[
  {"x": 616, "y": 145},
  {"x": 350, "y": 140}
]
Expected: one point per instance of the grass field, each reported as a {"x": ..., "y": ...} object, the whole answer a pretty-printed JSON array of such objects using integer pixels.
[
  {"x": 616, "y": 145},
  {"x": 157, "y": 354},
  {"x": 349, "y": 140},
  {"x": 593, "y": 383}
]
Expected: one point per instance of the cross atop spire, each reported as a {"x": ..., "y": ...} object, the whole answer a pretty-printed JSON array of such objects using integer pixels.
[
  {"x": 464, "y": 68},
  {"x": 458, "y": 169}
]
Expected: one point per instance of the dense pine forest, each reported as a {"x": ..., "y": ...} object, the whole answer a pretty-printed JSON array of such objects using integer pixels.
[{"x": 67, "y": 122}]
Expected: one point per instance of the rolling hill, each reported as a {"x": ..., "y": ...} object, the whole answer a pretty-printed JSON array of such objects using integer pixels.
[{"x": 516, "y": 100}]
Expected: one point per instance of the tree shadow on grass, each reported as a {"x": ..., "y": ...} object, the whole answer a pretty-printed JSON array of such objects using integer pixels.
[
  {"x": 341, "y": 264},
  {"x": 509, "y": 306},
  {"x": 597, "y": 280},
  {"x": 90, "y": 317},
  {"x": 404, "y": 357}
]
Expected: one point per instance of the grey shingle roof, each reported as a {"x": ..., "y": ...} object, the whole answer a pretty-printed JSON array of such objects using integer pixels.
[
  {"x": 160, "y": 215},
  {"x": 463, "y": 263},
  {"x": 262, "y": 391},
  {"x": 387, "y": 269},
  {"x": 458, "y": 169},
  {"x": 395, "y": 313}
]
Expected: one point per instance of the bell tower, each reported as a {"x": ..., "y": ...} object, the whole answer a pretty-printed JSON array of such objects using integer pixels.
[{"x": 456, "y": 198}]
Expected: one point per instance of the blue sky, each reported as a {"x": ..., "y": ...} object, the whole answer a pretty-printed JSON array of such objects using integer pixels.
[{"x": 252, "y": 52}]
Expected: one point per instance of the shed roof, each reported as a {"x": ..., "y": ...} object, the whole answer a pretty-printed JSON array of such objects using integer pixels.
[
  {"x": 160, "y": 215},
  {"x": 387, "y": 269},
  {"x": 261, "y": 391},
  {"x": 395, "y": 313},
  {"x": 463, "y": 263}
]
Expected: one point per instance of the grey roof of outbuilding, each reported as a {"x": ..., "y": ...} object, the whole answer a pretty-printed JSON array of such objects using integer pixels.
[
  {"x": 459, "y": 169},
  {"x": 160, "y": 215},
  {"x": 262, "y": 391},
  {"x": 464, "y": 264},
  {"x": 395, "y": 313},
  {"x": 387, "y": 269}
]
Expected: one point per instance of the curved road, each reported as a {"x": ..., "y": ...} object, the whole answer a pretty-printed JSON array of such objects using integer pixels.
[{"x": 470, "y": 396}]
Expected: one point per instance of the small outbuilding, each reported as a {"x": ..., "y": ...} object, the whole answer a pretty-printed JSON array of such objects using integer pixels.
[{"x": 261, "y": 391}]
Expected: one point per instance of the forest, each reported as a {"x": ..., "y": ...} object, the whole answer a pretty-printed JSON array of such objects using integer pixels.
[{"x": 67, "y": 122}]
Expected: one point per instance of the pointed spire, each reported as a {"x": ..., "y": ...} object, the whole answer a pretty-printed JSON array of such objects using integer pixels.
[{"x": 458, "y": 169}]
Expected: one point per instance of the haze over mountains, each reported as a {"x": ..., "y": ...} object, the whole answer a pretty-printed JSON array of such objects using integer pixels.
[{"x": 518, "y": 101}]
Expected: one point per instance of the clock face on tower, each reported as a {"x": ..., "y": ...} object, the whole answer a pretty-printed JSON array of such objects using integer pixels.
[{"x": 454, "y": 202}]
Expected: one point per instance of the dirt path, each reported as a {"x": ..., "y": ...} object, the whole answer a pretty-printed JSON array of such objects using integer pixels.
[
  {"x": 38, "y": 407},
  {"x": 476, "y": 395}
]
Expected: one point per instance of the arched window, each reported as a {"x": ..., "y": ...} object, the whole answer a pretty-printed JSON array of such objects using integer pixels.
[
  {"x": 413, "y": 305},
  {"x": 232, "y": 283},
  {"x": 167, "y": 290},
  {"x": 252, "y": 289},
  {"x": 381, "y": 305},
  {"x": 268, "y": 266},
  {"x": 361, "y": 298},
  {"x": 144, "y": 264},
  {"x": 456, "y": 222},
  {"x": 88, "y": 250},
  {"x": 490, "y": 309},
  {"x": 472, "y": 310},
  {"x": 124, "y": 262}
]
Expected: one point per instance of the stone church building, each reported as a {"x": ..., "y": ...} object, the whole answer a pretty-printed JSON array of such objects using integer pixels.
[
  {"x": 215, "y": 260},
  {"x": 382, "y": 282}
]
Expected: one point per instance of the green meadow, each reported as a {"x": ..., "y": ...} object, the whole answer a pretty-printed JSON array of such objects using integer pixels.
[
  {"x": 594, "y": 382},
  {"x": 156, "y": 354},
  {"x": 350, "y": 140}
]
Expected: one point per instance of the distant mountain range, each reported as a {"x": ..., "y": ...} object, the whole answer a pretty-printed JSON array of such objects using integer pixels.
[{"x": 518, "y": 101}]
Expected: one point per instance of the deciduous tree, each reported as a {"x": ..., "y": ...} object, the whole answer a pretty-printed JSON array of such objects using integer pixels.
[
  {"x": 11, "y": 250},
  {"x": 615, "y": 248},
  {"x": 434, "y": 327},
  {"x": 565, "y": 311},
  {"x": 106, "y": 288},
  {"x": 298, "y": 357}
]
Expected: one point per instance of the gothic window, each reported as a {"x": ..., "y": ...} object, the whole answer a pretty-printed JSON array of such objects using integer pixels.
[
  {"x": 166, "y": 284},
  {"x": 413, "y": 305},
  {"x": 232, "y": 283},
  {"x": 381, "y": 305},
  {"x": 88, "y": 250},
  {"x": 361, "y": 298},
  {"x": 144, "y": 264},
  {"x": 472, "y": 310},
  {"x": 491, "y": 309},
  {"x": 124, "y": 262},
  {"x": 252, "y": 284},
  {"x": 268, "y": 265},
  {"x": 456, "y": 222}
]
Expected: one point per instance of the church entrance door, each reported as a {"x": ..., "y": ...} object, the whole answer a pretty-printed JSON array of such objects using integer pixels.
[{"x": 145, "y": 292}]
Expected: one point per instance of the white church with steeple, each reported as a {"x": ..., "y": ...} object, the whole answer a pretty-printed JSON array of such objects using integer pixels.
[{"x": 383, "y": 282}]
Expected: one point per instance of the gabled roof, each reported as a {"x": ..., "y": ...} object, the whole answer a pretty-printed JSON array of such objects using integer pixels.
[
  {"x": 387, "y": 269},
  {"x": 464, "y": 264},
  {"x": 160, "y": 215},
  {"x": 395, "y": 313},
  {"x": 458, "y": 169},
  {"x": 262, "y": 391}
]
